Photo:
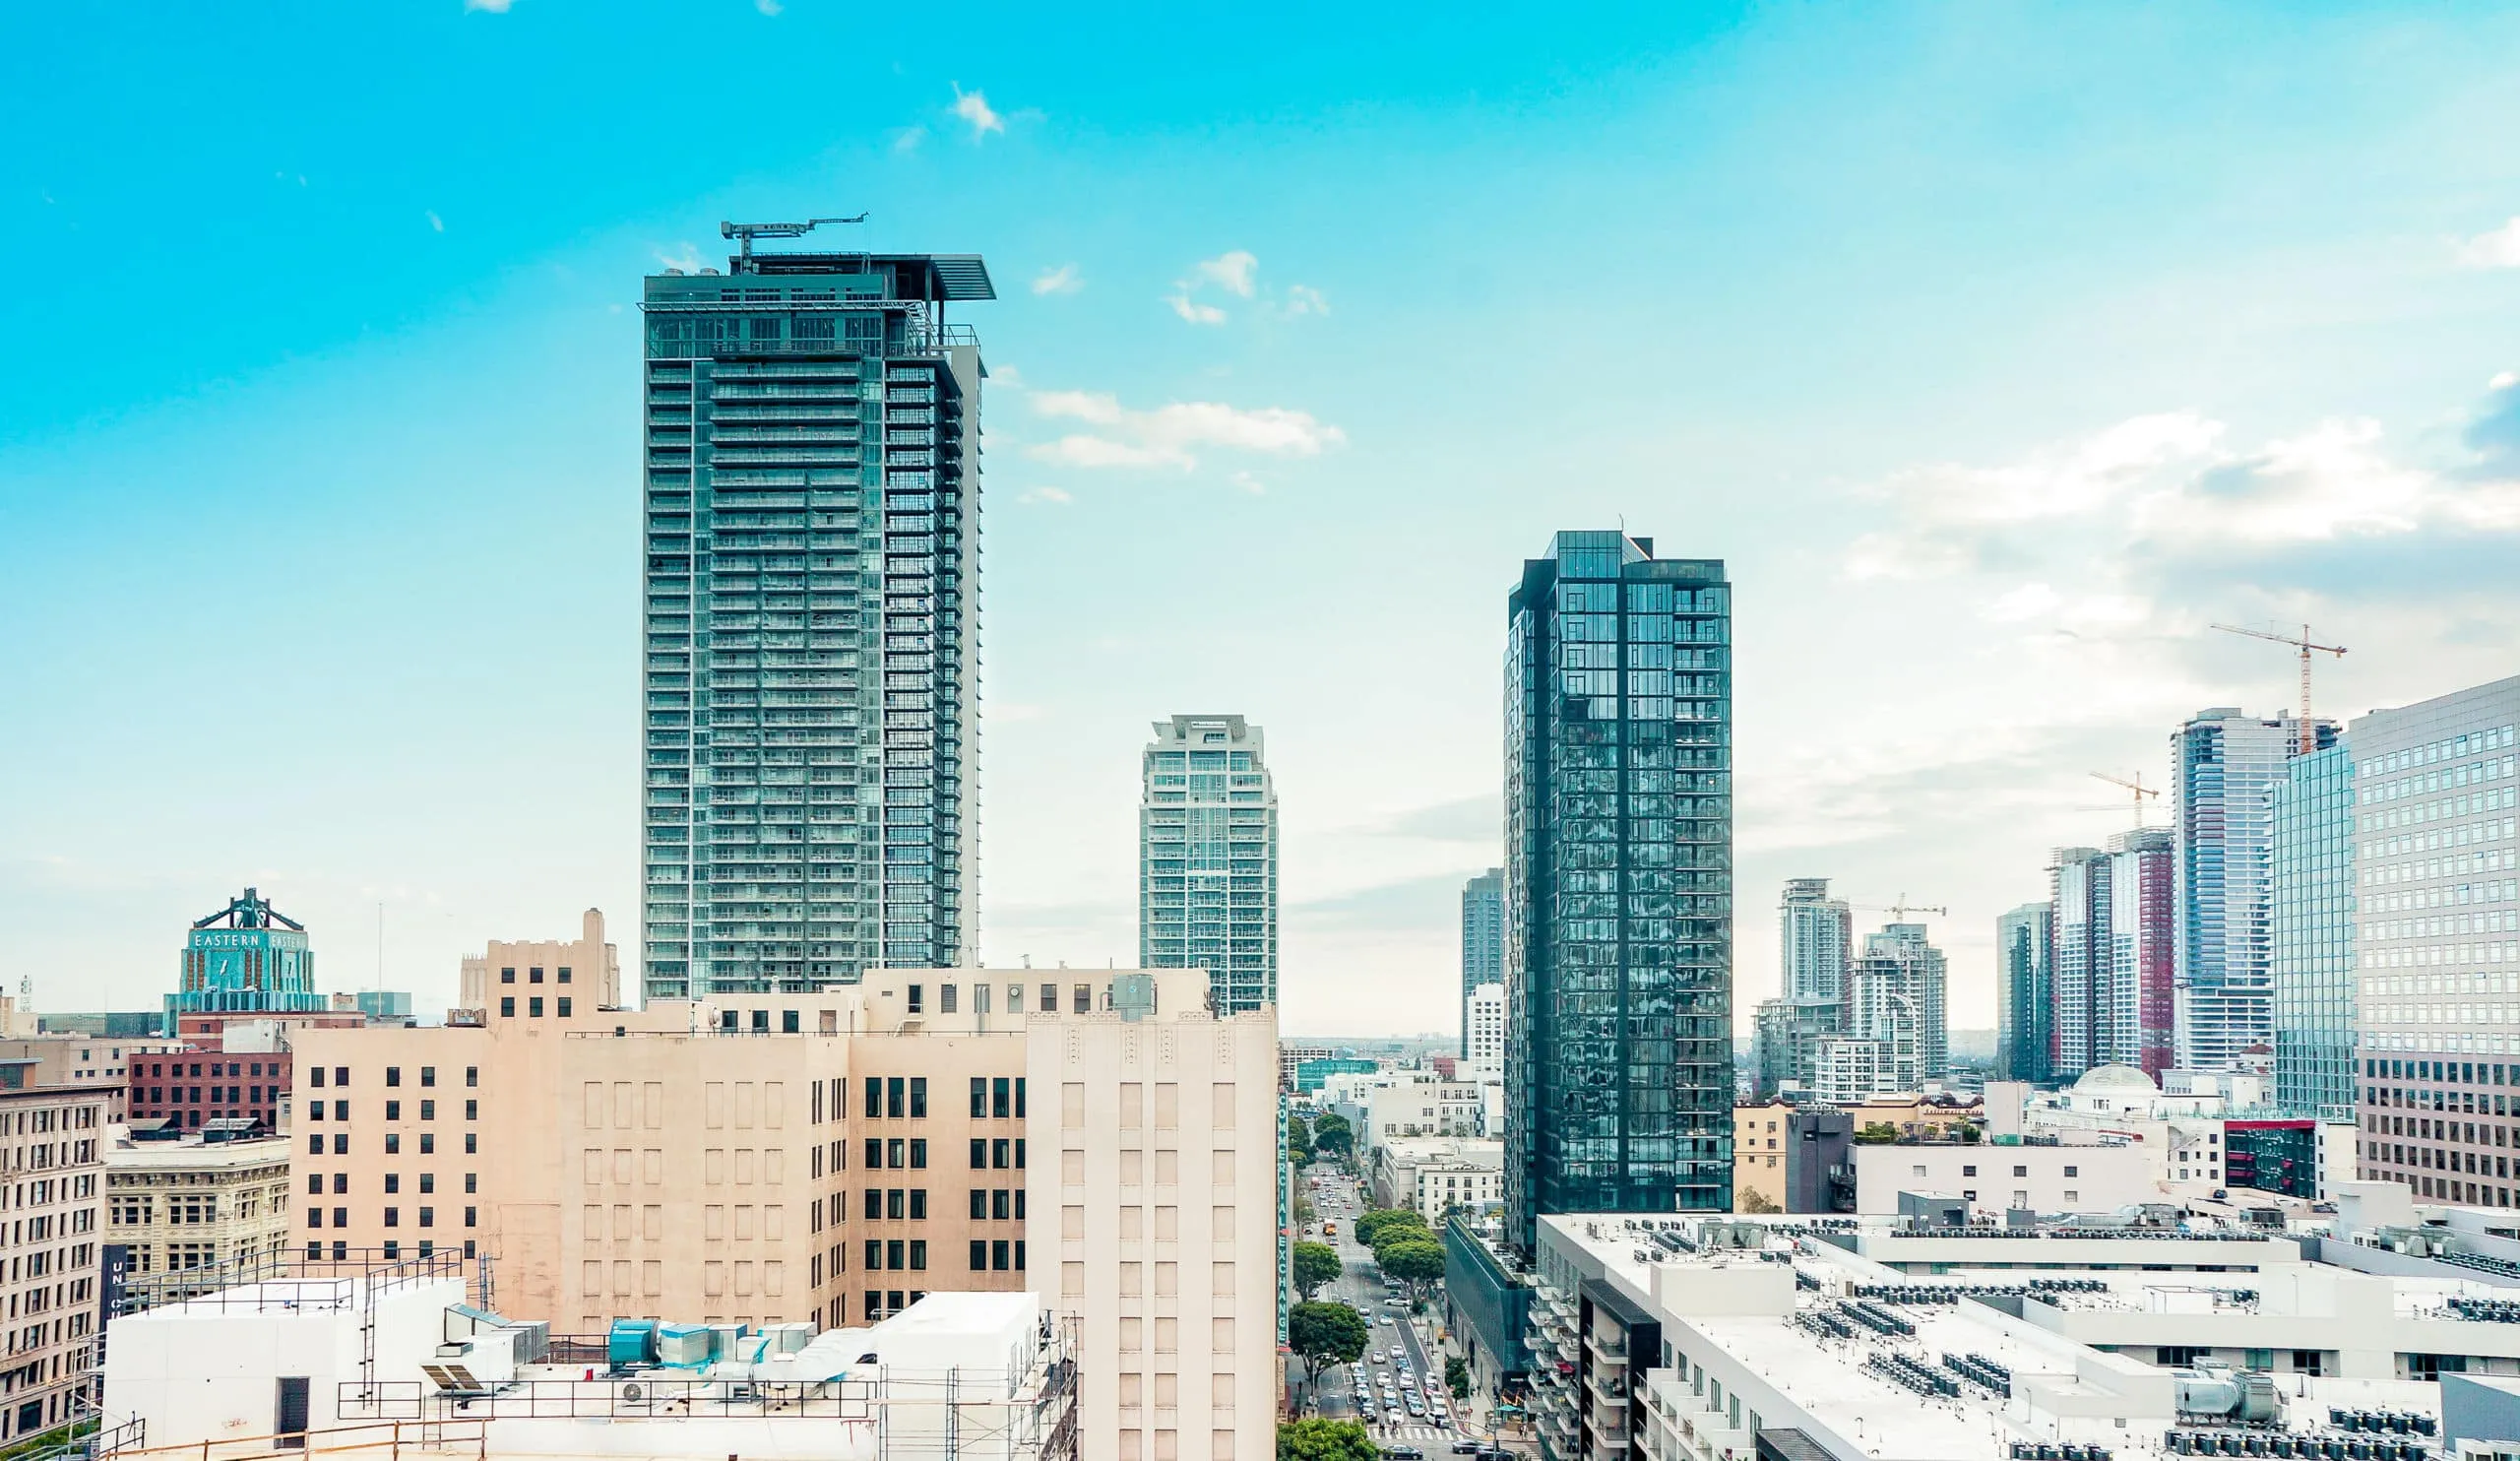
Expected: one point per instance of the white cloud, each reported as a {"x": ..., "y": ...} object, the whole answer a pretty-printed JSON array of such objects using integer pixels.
[
  {"x": 1305, "y": 300},
  {"x": 1192, "y": 310},
  {"x": 494, "y": 7},
  {"x": 2498, "y": 248},
  {"x": 1055, "y": 496},
  {"x": 1251, "y": 483},
  {"x": 1172, "y": 435},
  {"x": 768, "y": 7},
  {"x": 1234, "y": 271},
  {"x": 686, "y": 259},
  {"x": 973, "y": 107},
  {"x": 907, "y": 139},
  {"x": 1064, "y": 280},
  {"x": 436, "y": 223}
]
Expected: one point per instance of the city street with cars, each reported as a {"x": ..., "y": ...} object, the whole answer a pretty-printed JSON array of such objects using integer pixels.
[{"x": 1403, "y": 1364}]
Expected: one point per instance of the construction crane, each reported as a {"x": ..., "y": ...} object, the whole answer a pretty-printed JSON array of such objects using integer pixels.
[
  {"x": 2309, "y": 737},
  {"x": 746, "y": 234},
  {"x": 1899, "y": 907},
  {"x": 2137, "y": 790}
]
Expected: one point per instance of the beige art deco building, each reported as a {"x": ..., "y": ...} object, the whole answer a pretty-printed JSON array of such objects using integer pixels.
[
  {"x": 193, "y": 1216},
  {"x": 51, "y": 1176},
  {"x": 1100, "y": 1138}
]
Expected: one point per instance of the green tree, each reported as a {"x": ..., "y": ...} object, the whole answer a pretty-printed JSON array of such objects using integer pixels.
[
  {"x": 1457, "y": 1376},
  {"x": 1752, "y": 1200},
  {"x": 1316, "y": 1264},
  {"x": 1877, "y": 1134},
  {"x": 1373, "y": 1223},
  {"x": 1332, "y": 1136},
  {"x": 1414, "y": 1261},
  {"x": 1299, "y": 1142},
  {"x": 1324, "y": 1441},
  {"x": 1323, "y": 1333}
]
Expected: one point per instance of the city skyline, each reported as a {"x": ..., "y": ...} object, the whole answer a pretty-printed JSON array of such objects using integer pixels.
[{"x": 2231, "y": 351}]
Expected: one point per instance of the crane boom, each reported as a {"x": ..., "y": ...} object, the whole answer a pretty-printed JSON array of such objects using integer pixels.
[
  {"x": 2135, "y": 786},
  {"x": 1899, "y": 907},
  {"x": 2305, "y": 644},
  {"x": 746, "y": 234}
]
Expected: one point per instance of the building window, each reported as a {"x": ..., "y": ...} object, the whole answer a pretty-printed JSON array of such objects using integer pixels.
[
  {"x": 998, "y": 1255},
  {"x": 980, "y": 1250},
  {"x": 392, "y": 1217},
  {"x": 507, "y": 1006},
  {"x": 534, "y": 1008},
  {"x": 428, "y": 1075},
  {"x": 919, "y": 1098},
  {"x": 471, "y": 1075},
  {"x": 980, "y": 1152},
  {"x": 980, "y": 1097},
  {"x": 393, "y": 1110},
  {"x": 533, "y": 976},
  {"x": 393, "y": 1075},
  {"x": 918, "y": 1000},
  {"x": 788, "y": 1022},
  {"x": 564, "y": 1006},
  {"x": 945, "y": 1000},
  {"x": 564, "y": 974},
  {"x": 507, "y": 976}
]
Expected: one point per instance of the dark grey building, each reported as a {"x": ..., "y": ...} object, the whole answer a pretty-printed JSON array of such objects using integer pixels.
[
  {"x": 1819, "y": 1161},
  {"x": 1482, "y": 940},
  {"x": 811, "y": 492},
  {"x": 1618, "y": 882}
]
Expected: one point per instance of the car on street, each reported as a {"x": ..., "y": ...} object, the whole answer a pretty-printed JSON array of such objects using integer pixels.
[
  {"x": 1465, "y": 1447},
  {"x": 1403, "y": 1453},
  {"x": 1386, "y": 1318}
]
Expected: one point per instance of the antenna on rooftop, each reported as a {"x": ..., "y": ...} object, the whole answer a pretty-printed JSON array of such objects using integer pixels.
[{"x": 746, "y": 234}]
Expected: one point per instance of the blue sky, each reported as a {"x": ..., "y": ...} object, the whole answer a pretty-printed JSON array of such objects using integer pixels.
[{"x": 1999, "y": 349}]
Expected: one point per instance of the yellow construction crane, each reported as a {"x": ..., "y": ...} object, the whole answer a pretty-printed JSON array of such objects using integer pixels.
[
  {"x": 2309, "y": 739},
  {"x": 1899, "y": 907},
  {"x": 2137, "y": 790}
]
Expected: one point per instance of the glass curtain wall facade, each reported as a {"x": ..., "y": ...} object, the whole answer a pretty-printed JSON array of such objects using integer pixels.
[
  {"x": 811, "y": 634},
  {"x": 2313, "y": 911},
  {"x": 2436, "y": 869},
  {"x": 1482, "y": 940},
  {"x": 2223, "y": 767},
  {"x": 2078, "y": 880},
  {"x": 1619, "y": 883},
  {"x": 2138, "y": 1018},
  {"x": 2024, "y": 994},
  {"x": 1207, "y": 859}
]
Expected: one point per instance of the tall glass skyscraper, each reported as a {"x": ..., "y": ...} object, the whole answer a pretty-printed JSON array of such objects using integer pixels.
[
  {"x": 1208, "y": 857},
  {"x": 1482, "y": 940},
  {"x": 2313, "y": 915},
  {"x": 2223, "y": 766},
  {"x": 813, "y": 495},
  {"x": 2024, "y": 994},
  {"x": 2436, "y": 877},
  {"x": 1618, "y": 878}
]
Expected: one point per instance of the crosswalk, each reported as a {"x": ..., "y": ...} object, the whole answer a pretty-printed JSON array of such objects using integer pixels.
[{"x": 1415, "y": 1432}]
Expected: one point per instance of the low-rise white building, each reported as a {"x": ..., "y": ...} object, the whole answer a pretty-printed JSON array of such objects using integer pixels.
[
  {"x": 391, "y": 1356},
  {"x": 1995, "y": 1179},
  {"x": 1720, "y": 1338},
  {"x": 1436, "y": 1174}
]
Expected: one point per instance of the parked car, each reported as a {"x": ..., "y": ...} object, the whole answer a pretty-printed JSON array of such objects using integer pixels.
[
  {"x": 1403, "y": 1453},
  {"x": 1465, "y": 1447}
]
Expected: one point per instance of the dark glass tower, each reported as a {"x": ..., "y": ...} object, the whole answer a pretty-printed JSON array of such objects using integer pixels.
[
  {"x": 1619, "y": 883},
  {"x": 811, "y": 634}
]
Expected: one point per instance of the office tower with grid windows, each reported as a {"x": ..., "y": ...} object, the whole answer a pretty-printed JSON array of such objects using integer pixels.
[
  {"x": 2026, "y": 993},
  {"x": 1207, "y": 859},
  {"x": 1483, "y": 941},
  {"x": 2312, "y": 909},
  {"x": 2437, "y": 926},
  {"x": 1619, "y": 879},
  {"x": 811, "y": 636},
  {"x": 2224, "y": 766}
]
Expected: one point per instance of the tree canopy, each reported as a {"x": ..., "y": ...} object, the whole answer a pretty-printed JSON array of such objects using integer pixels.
[
  {"x": 1416, "y": 1262},
  {"x": 1318, "y": 1440},
  {"x": 1323, "y": 1333},
  {"x": 1316, "y": 1264},
  {"x": 1332, "y": 1135},
  {"x": 1373, "y": 1223}
]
